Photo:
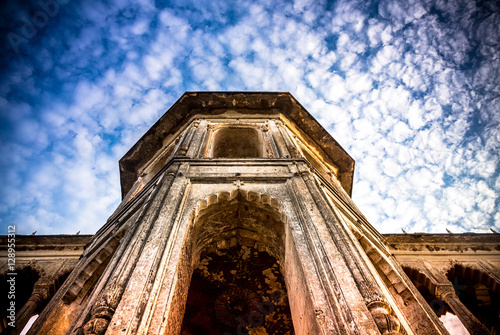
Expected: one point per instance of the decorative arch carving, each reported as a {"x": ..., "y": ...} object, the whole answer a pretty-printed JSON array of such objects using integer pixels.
[
  {"x": 241, "y": 195},
  {"x": 208, "y": 234},
  {"x": 416, "y": 274}
]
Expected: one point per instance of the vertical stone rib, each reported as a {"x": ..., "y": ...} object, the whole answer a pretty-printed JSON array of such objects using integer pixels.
[
  {"x": 272, "y": 140},
  {"x": 372, "y": 295},
  {"x": 278, "y": 139},
  {"x": 103, "y": 310},
  {"x": 290, "y": 145},
  {"x": 198, "y": 138},
  {"x": 118, "y": 255},
  {"x": 164, "y": 234},
  {"x": 186, "y": 140},
  {"x": 343, "y": 317},
  {"x": 207, "y": 138}
]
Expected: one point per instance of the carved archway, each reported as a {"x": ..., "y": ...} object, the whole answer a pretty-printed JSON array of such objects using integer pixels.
[
  {"x": 246, "y": 211},
  {"x": 237, "y": 223}
]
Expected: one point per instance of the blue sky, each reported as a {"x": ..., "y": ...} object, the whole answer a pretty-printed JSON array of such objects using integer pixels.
[{"x": 411, "y": 89}]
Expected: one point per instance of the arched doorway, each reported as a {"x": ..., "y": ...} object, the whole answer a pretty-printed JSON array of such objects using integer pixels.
[
  {"x": 242, "y": 262},
  {"x": 239, "y": 290},
  {"x": 237, "y": 286}
]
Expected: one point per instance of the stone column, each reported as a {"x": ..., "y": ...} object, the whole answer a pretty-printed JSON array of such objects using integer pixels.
[
  {"x": 446, "y": 293},
  {"x": 103, "y": 310},
  {"x": 379, "y": 308}
]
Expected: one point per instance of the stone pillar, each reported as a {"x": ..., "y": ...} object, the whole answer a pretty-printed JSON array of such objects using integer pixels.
[
  {"x": 379, "y": 308},
  {"x": 103, "y": 310},
  {"x": 446, "y": 293}
]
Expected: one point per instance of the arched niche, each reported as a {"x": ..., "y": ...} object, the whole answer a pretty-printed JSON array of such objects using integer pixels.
[
  {"x": 237, "y": 142},
  {"x": 233, "y": 237}
]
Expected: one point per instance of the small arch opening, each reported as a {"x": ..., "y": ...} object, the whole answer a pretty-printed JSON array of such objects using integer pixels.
[
  {"x": 443, "y": 311},
  {"x": 24, "y": 283},
  {"x": 480, "y": 293}
]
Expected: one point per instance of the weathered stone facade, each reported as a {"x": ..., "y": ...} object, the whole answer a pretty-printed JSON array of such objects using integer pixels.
[{"x": 237, "y": 219}]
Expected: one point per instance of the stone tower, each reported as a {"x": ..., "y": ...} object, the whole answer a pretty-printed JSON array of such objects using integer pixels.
[{"x": 237, "y": 219}]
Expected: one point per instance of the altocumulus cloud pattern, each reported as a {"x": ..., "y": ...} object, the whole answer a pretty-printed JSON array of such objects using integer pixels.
[{"x": 411, "y": 89}]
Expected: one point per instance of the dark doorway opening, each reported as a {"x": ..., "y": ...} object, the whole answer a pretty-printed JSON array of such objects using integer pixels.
[{"x": 237, "y": 291}]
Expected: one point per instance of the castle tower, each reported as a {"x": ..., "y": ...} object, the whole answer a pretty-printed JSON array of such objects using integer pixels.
[{"x": 237, "y": 219}]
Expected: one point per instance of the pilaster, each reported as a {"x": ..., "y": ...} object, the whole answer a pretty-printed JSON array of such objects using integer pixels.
[
  {"x": 141, "y": 279},
  {"x": 373, "y": 297},
  {"x": 106, "y": 298},
  {"x": 281, "y": 147}
]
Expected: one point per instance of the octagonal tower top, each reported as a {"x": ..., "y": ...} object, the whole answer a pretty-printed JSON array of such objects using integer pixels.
[{"x": 242, "y": 106}]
